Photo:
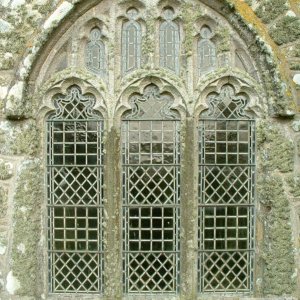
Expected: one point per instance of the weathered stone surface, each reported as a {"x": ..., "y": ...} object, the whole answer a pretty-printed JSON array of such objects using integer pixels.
[
  {"x": 19, "y": 138},
  {"x": 268, "y": 10},
  {"x": 279, "y": 270},
  {"x": 277, "y": 152},
  {"x": 5, "y": 26},
  {"x": 5, "y": 169},
  {"x": 286, "y": 30},
  {"x": 26, "y": 254},
  {"x": 294, "y": 185},
  {"x": 58, "y": 14},
  {"x": 3, "y": 202},
  {"x": 296, "y": 125},
  {"x": 296, "y": 79}
]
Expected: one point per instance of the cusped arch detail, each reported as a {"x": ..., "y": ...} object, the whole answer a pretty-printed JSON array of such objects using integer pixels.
[
  {"x": 240, "y": 84},
  {"x": 56, "y": 24},
  {"x": 61, "y": 86},
  {"x": 138, "y": 87}
]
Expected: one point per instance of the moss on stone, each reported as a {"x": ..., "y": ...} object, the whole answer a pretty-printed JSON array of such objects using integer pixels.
[
  {"x": 27, "y": 226},
  {"x": 276, "y": 151},
  {"x": 286, "y": 30},
  {"x": 278, "y": 253},
  {"x": 269, "y": 10},
  {"x": 19, "y": 138}
]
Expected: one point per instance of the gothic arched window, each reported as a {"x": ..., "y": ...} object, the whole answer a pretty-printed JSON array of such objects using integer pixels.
[
  {"x": 169, "y": 42},
  {"x": 207, "y": 57},
  {"x": 75, "y": 194},
  {"x": 226, "y": 194},
  {"x": 151, "y": 194},
  {"x": 165, "y": 212},
  {"x": 95, "y": 59},
  {"x": 131, "y": 43}
]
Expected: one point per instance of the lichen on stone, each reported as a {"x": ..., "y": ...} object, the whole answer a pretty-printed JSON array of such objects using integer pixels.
[
  {"x": 190, "y": 13},
  {"x": 224, "y": 41},
  {"x": 286, "y": 30},
  {"x": 26, "y": 21},
  {"x": 19, "y": 138},
  {"x": 5, "y": 170},
  {"x": 276, "y": 151},
  {"x": 3, "y": 201},
  {"x": 295, "y": 66},
  {"x": 147, "y": 43},
  {"x": 294, "y": 185},
  {"x": 277, "y": 252},
  {"x": 269, "y": 10},
  {"x": 28, "y": 198}
]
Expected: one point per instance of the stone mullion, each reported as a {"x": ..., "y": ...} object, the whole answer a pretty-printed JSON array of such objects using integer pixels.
[
  {"x": 189, "y": 176},
  {"x": 112, "y": 218}
]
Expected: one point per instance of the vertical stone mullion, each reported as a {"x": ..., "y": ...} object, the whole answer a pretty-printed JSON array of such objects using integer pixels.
[
  {"x": 112, "y": 218},
  {"x": 188, "y": 247}
]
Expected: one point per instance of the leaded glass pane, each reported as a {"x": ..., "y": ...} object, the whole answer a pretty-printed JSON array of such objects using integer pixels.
[
  {"x": 75, "y": 193},
  {"x": 95, "y": 58},
  {"x": 226, "y": 195},
  {"x": 169, "y": 43},
  {"x": 131, "y": 43},
  {"x": 207, "y": 57},
  {"x": 151, "y": 174}
]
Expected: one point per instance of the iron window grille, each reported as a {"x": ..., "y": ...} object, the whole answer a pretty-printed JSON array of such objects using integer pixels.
[
  {"x": 75, "y": 193},
  {"x": 226, "y": 194},
  {"x": 151, "y": 194}
]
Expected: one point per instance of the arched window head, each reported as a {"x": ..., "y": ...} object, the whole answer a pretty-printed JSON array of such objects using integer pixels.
[
  {"x": 169, "y": 42},
  {"x": 131, "y": 42},
  {"x": 95, "y": 58},
  {"x": 227, "y": 104},
  {"x": 152, "y": 105},
  {"x": 207, "y": 56}
]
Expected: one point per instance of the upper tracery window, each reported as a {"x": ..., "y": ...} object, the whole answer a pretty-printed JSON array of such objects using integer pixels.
[
  {"x": 169, "y": 42},
  {"x": 95, "y": 58},
  {"x": 207, "y": 57},
  {"x": 131, "y": 42}
]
